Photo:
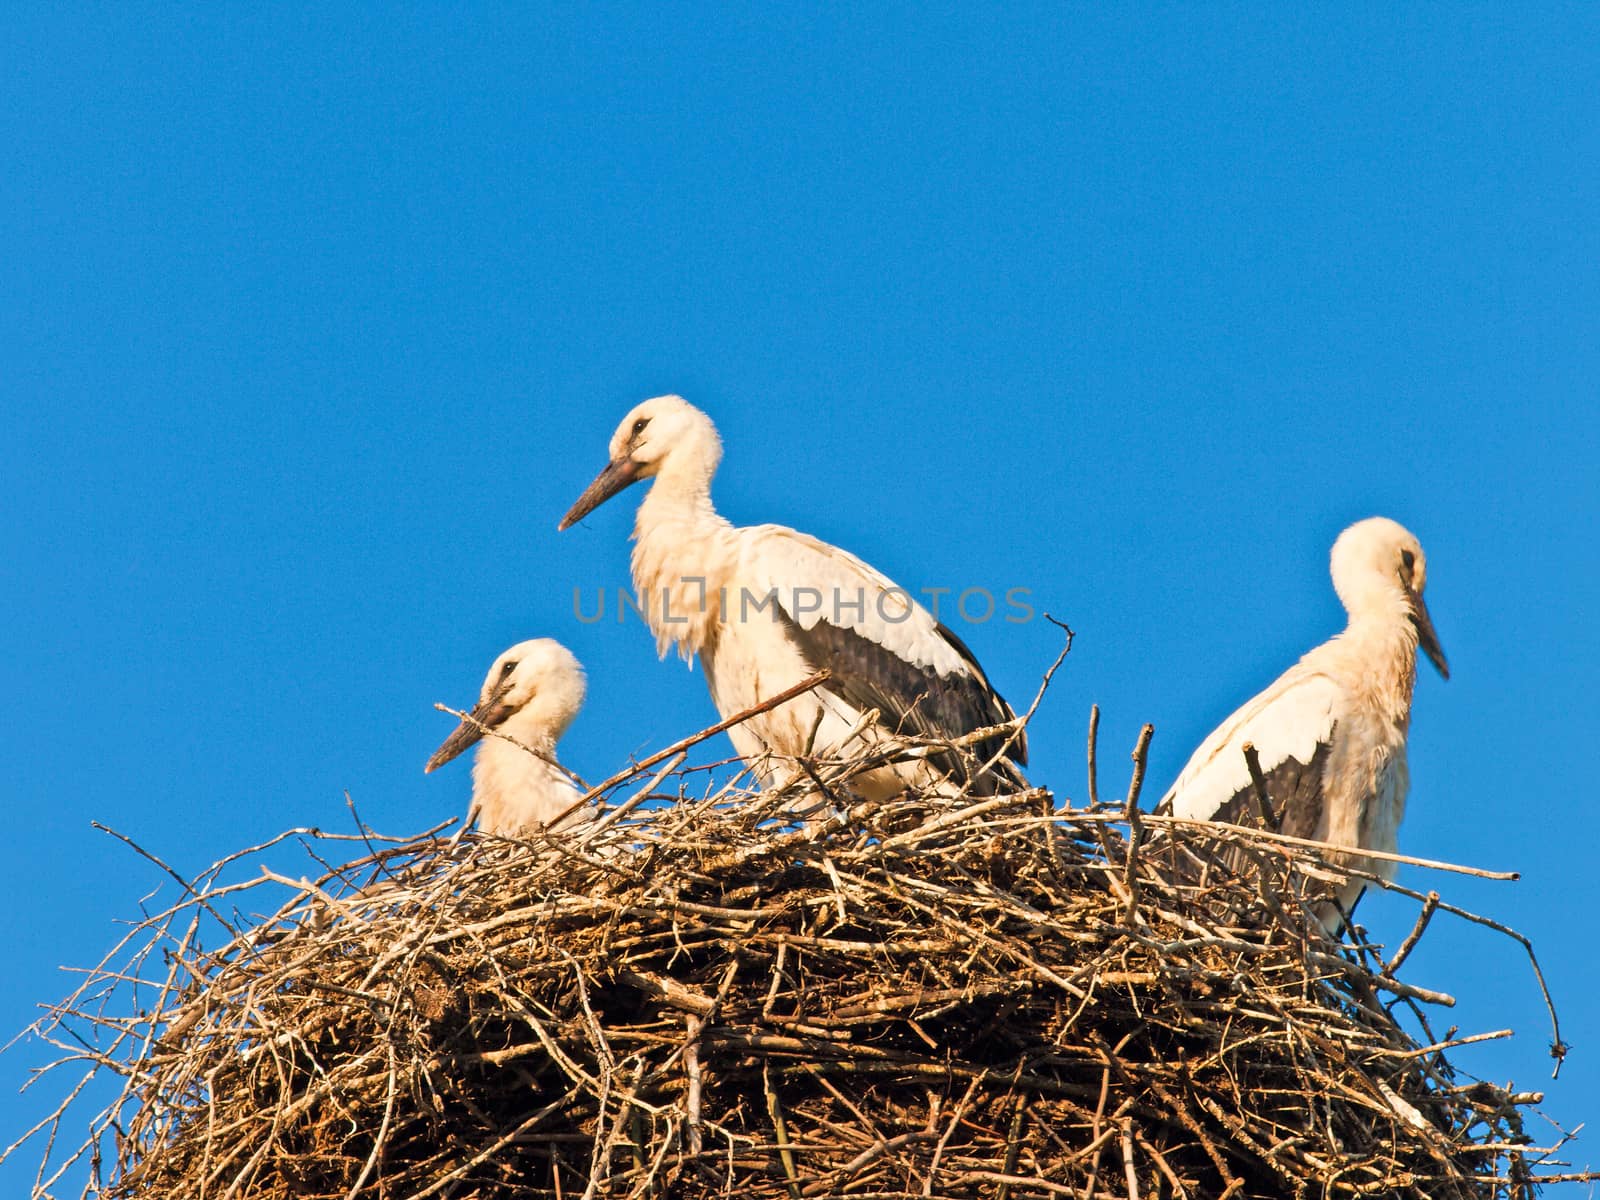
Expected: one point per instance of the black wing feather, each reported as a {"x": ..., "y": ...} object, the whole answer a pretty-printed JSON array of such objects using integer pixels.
[
  {"x": 1295, "y": 798},
  {"x": 1294, "y": 792},
  {"x": 914, "y": 700}
]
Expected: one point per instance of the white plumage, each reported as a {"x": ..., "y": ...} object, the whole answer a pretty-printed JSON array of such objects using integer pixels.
[
  {"x": 1330, "y": 733},
  {"x": 530, "y": 696},
  {"x": 765, "y": 607}
]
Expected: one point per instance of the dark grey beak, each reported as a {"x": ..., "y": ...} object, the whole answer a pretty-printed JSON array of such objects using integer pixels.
[
  {"x": 486, "y": 715},
  {"x": 1426, "y": 637},
  {"x": 619, "y": 473}
]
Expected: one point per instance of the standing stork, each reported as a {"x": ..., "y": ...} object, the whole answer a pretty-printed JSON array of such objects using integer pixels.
[
  {"x": 530, "y": 696},
  {"x": 1330, "y": 733},
  {"x": 765, "y": 607}
]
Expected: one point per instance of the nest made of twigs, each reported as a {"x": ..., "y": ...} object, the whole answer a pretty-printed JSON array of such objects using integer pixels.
[{"x": 940, "y": 996}]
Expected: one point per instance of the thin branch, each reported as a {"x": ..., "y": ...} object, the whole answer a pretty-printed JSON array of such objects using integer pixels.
[
  {"x": 1258, "y": 781},
  {"x": 1094, "y": 772},
  {"x": 549, "y": 760}
]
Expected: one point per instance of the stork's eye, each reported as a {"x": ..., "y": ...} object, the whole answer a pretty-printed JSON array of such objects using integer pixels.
[
  {"x": 638, "y": 426},
  {"x": 507, "y": 669},
  {"x": 1407, "y": 559}
]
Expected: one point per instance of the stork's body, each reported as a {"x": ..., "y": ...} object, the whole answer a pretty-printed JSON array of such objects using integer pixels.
[
  {"x": 530, "y": 696},
  {"x": 765, "y": 607},
  {"x": 1330, "y": 733}
]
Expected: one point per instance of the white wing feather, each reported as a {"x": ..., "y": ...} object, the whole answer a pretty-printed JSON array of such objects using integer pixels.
[
  {"x": 846, "y": 593},
  {"x": 1290, "y": 719}
]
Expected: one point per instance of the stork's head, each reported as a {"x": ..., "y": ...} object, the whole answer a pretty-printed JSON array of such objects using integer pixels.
[
  {"x": 531, "y": 693},
  {"x": 666, "y": 437},
  {"x": 1378, "y": 561}
]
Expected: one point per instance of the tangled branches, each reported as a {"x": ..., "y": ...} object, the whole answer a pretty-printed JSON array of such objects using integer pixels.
[{"x": 938, "y": 996}]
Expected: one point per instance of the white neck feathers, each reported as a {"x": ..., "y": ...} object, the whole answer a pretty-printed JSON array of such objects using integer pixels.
[
  {"x": 1376, "y": 657},
  {"x": 677, "y": 526},
  {"x": 515, "y": 791}
]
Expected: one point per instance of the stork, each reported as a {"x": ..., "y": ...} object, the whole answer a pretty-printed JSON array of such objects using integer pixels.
[
  {"x": 529, "y": 697},
  {"x": 1330, "y": 733},
  {"x": 765, "y": 607}
]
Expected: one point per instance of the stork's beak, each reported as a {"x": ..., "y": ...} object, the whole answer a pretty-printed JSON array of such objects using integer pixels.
[
  {"x": 487, "y": 714},
  {"x": 1426, "y": 637},
  {"x": 619, "y": 473}
]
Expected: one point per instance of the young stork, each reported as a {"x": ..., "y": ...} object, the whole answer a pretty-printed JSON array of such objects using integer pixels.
[
  {"x": 531, "y": 694},
  {"x": 1330, "y": 733},
  {"x": 765, "y": 607}
]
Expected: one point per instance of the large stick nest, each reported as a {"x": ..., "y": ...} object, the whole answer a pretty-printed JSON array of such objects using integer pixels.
[{"x": 941, "y": 996}]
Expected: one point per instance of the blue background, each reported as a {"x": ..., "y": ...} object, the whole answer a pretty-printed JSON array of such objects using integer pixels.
[{"x": 314, "y": 324}]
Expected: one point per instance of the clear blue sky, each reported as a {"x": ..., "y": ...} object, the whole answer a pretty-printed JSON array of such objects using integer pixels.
[{"x": 314, "y": 323}]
